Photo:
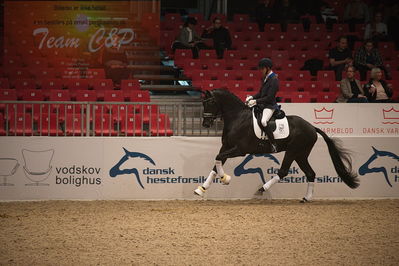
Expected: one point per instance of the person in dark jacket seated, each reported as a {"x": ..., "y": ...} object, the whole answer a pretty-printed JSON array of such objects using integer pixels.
[
  {"x": 220, "y": 35},
  {"x": 377, "y": 90},
  {"x": 265, "y": 99}
]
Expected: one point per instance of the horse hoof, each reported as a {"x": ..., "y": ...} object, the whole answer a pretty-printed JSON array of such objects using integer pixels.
[
  {"x": 225, "y": 179},
  {"x": 200, "y": 191},
  {"x": 260, "y": 191},
  {"x": 304, "y": 200}
]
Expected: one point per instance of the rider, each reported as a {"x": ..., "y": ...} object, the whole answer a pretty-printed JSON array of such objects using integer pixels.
[{"x": 266, "y": 97}]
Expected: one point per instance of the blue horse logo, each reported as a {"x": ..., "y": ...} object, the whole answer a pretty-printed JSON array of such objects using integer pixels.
[
  {"x": 241, "y": 170},
  {"x": 116, "y": 169},
  {"x": 365, "y": 168}
]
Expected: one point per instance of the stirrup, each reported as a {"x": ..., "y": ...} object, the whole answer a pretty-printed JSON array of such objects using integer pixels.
[{"x": 273, "y": 147}]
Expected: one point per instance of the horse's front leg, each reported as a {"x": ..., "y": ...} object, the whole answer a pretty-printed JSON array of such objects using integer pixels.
[{"x": 217, "y": 170}]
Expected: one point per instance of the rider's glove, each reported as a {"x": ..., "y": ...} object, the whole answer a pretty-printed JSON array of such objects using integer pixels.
[
  {"x": 251, "y": 103},
  {"x": 248, "y": 98}
]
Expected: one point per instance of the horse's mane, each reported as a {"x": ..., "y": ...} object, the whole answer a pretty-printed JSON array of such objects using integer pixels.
[
  {"x": 388, "y": 154},
  {"x": 227, "y": 94}
]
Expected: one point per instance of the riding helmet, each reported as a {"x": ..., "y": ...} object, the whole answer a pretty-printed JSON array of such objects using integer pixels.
[{"x": 265, "y": 62}]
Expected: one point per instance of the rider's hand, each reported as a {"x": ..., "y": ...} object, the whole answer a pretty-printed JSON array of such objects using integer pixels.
[
  {"x": 251, "y": 103},
  {"x": 248, "y": 98}
]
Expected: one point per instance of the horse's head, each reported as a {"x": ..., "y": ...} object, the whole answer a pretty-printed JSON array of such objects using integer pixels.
[{"x": 211, "y": 109}]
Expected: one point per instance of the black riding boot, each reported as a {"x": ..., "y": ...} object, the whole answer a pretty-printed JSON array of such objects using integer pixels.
[{"x": 270, "y": 137}]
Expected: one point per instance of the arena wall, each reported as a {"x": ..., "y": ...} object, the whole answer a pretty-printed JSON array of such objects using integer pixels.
[{"x": 93, "y": 168}]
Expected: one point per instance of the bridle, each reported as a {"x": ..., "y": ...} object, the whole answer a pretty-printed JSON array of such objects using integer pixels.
[{"x": 206, "y": 114}]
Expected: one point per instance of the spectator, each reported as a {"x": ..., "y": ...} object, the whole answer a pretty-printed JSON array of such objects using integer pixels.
[
  {"x": 189, "y": 39},
  {"x": 264, "y": 13},
  {"x": 356, "y": 12},
  {"x": 368, "y": 57},
  {"x": 377, "y": 90},
  {"x": 351, "y": 90},
  {"x": 115, "y": 61},
  {"x": 376, "y": 30},
  {"x": 220, "y": 35},
  {"x": 340, "y": 57}
]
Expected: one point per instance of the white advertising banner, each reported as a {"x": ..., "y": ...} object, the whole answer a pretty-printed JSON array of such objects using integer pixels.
[
  {"x": 339, "y": 119},
  {"x": 42, "y": 168}
]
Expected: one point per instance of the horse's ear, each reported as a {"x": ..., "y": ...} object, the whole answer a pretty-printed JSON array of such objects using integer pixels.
[
  {"x": 126, "y": 151},
  {"x": 374, "y": 149},
  {"x": 208, "y": 94}
]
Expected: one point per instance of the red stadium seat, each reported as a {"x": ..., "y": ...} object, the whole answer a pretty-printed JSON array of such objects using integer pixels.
[
  {"x": 227, "y": 75},
  {"x": 270, "y": 27},
  {"x": 22, "y": 84},
  {"x": 240, "y": 36},
  {"x": 160, "y": 125},
  {"x": 312, "y": 86},
  {"x": 253, "y": 54},
  {"x": 295, "y": 28},
  {"x": 43, "y": 73},
  {"x": 95, "y": 73},
  {"x": 298, "y": 97},
  {"x": 49, "y": 125},
  {"x": 32, "y": 95},
  {"x": 211, "y": 84},
  {"x": 232, "y": 54},
  {"x": 246, "y": 45},
  {"x": 207, "y": 54},
  {"x": 199, "y": 74},
  {"x": 340, "y": 28},
  {"x": 139, "y": 96},
  {"x": 326, "y": 97},
  {"x": 75, "y": 125},
  {"x": 288, "y": 86},
  {"x": 183, "y": 54},
  {"x": 21, "y": 124},
  {"x": 86, "y": 96},
  {"x": 51, "y": 84},
  {"x": 132, "y": 125},
  {"x": 4, "y": 83},
  {"x": 240, "y": 18},
  {"x": 251, "y": 75},
  {"x": 326, "y": 75},
  {"x": 258, "y": 36},
  {"x": 216, "y": 64},
  {"x": 2, "y": 125},
  {"x": 130, "y": 84},
  {"x": 303, "y": 75},
  {"x": 77, "y": 84},
  {"x": 104, "y": 125},
  {"x": 102, "y": 84},
  {"x": 244, "y": 64}
]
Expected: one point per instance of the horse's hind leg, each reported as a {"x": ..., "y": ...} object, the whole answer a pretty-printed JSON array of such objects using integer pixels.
[
  {"x": 289, "y": 157},
  {"x": 303, "y": 163}
]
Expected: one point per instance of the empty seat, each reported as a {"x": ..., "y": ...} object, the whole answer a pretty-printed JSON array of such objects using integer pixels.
[
  {"x": 160, "y": 125},
  {"x": 298, "y": 97},
  {"x": 75, "y": 125},
  {"x": 102, "y": 84},
  {"x": 130, "y": 84},
  {"x": 132, "y": 125},
  {"x": 21, "y": 124},
  {"x": 21, "y": 84},
  {"x": 4, "y": 83},
  {"x": 49, "y": 125},
  {"x": 51, "y": 84},
  {"x": 77, "y": 84},
  {"x": 104, "y": 125},
  {"x": 326, "y": 75},
  {"x": 326, "y": 97}
]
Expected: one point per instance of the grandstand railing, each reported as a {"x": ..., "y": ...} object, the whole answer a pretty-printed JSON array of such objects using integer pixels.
[{"x": 58, "y": 118}]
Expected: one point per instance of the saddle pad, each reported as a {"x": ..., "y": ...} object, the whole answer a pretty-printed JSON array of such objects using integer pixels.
[{"x": 282, "y": 130}]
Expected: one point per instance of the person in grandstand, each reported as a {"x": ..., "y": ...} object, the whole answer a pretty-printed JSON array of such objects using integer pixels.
[
  {"x": 220, "y": 36},
  {"x": 189, "y": 38},
  {"x": 351, "y": 89}
]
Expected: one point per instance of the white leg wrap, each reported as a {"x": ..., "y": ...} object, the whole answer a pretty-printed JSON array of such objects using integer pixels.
[
  {"x": 219, "y": 168},
  {"x": 309, "y": 193},
  {"x": 271, "y": 182},
  {"x": 209, "y": 180}
]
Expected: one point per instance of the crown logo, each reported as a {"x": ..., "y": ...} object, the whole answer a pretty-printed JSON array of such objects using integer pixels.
[
  {"x": 323, "y": 113},
  {"x": 390, "y": 114}
]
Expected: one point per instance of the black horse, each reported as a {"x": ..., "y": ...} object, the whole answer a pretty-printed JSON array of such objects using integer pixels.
[{"x": 239, "y": 139}]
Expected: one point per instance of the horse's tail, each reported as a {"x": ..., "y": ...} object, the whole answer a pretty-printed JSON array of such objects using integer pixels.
[{"x": 341, "y": 160}]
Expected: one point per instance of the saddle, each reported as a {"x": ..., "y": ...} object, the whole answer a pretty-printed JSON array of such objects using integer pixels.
[{"x": 271, "y": 124}]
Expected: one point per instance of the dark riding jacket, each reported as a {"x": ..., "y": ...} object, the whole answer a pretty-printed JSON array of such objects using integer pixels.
[{"x": 266, "y": 97}]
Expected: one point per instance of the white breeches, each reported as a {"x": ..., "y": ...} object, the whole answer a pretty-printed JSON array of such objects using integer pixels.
[{"x": 267, "y": 114}]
